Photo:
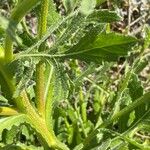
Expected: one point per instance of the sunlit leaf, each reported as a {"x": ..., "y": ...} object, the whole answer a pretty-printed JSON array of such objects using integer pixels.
[{"x": 102, "y": 47}]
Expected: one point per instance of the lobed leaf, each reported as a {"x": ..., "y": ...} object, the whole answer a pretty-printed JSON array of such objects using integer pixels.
[{"x": 9, "y": 122}]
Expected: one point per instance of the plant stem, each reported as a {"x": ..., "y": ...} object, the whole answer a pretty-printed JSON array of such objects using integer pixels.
[
  {"x": 18, "y": 13},
  {"x": 43, "y": 18},
  {"x": 40, "y": 126},
  {"x": 24, "y": 106},
  {"x": 8, "y": 49},
  {"x": 22, "y": 102},
  {"x": 40, "y": 88},
  {"x": 40, "y": 68}
]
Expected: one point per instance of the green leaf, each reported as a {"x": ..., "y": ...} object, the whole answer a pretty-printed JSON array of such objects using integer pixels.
[
  {"x": 5, "y": 85},
  {"x": 3, "y": 25},
  {"x": 10, "y": 135},
  {"x": 135, "y": 87},
  {"x": 143, "y": 99},
  {"x": 53, "y": 28},
  {"x": 87, "y": 6},
  {"x": 9, "y": 28},
  {"x": 9, "y": 122},
  {"x": 79, "y": 147},
  {"x": 136, "y": 91},
  {"x": 107, "y": 47},
  {"x": 79, "y": 26},
  {"x": 103, "y": 16},
  {"x": 69, "y": 5},
  {"x": 74, "y": 26},
  {"x": 26, "y": 39},
  {"x": 120, "y": 146},
  {"x": 99, "y": 2},
  {"x": 144, "y": 122},
  {"x": 53, "y": 16},
  {"x": 78, "y": 81},
  {"x": 20, "y": 146},
  {"x": 103, "y": 146},
  {"x": 22, "y": 71},
  {"x": 140, "y": 64},
  {"x": 3, "y": 99}
]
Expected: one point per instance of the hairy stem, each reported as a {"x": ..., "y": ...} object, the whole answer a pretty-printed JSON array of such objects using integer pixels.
[
  {"x": 41, "y": 98},
  {"x": 40, "y": 68},
  {"x": 22, "y": 102},
  {"x": 40, "y": 88},
  {"x": 39, "y": 125}
]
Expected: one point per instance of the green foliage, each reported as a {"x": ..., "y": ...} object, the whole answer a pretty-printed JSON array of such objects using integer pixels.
[
  {"x": 9, "y": 122},
  {"x": 87, "y": 6},
  {"x": 69, "y": 5},
  {"x": 63, "y": 88},
  {"x": 106, "y": 47},
  {"x": 3, "y": 26}
]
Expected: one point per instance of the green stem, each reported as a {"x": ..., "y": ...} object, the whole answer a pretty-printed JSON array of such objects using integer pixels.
[
  {"x": 18, "y": 13},
  {"x": 40, "y": 126},
  {"x": 24, "y": 106},
  {"x": 40, "y": 68},
  {"x": 131, "y": 107},
  {"x": 22, "y": 102},
  {"x": 47, "y": 128},
  {"x": 43, "y": 18}
]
